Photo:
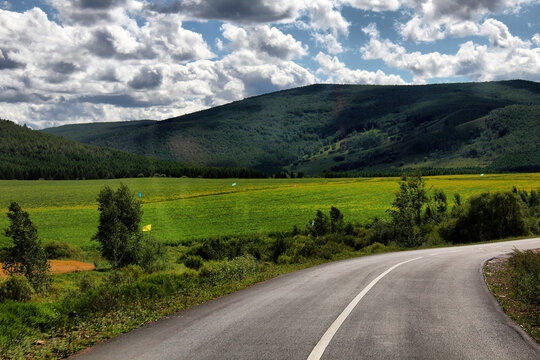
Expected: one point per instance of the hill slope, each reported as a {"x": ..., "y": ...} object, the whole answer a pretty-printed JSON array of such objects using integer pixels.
[
  {"x": 346, "y": 127},
  {"x": 30, "y": 154}
]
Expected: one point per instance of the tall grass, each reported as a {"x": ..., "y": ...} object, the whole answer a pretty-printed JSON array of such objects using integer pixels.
[{"x": 524, "y": 270}]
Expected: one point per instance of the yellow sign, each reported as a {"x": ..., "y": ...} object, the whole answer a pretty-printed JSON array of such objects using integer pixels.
[{"x": 147, "y": 227}]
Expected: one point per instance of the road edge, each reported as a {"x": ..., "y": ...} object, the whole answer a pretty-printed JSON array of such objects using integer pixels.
[{"x": 509, "y": 321}]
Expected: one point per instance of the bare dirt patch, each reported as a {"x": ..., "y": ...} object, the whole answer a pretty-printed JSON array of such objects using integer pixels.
[{"x": 62, "y": 267}]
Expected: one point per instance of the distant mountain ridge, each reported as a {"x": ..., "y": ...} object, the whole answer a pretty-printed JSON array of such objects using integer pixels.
[
  {"x": 341, "y": 128},
  {"x": 29, "y": 154}
]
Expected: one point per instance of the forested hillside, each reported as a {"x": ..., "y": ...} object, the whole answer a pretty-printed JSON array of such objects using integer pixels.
[
  {"x": 30, "y": 154},
  {"x": 342, "y": 128}
]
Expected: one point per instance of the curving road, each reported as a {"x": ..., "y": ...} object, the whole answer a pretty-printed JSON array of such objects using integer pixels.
[{"x": 423, "y": 304}]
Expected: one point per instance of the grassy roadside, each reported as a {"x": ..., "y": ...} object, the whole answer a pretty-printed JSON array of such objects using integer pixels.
[
  {"x": 515, "y": 283},
  {"x": 56, "y": 330}
]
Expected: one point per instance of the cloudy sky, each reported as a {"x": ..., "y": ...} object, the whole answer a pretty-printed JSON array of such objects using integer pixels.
[{"x": 73, "y": 61}]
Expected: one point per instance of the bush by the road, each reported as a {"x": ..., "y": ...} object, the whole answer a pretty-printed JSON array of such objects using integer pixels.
[
  {"x": 488, "y": 216},
  {"x": 16, "y": 288},
  {"x": 61, "y": 250},
  {"x": 524, "y": 269}
]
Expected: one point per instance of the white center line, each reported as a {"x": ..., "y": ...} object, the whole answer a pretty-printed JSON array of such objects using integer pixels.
[{"x": 319, "y": 349}]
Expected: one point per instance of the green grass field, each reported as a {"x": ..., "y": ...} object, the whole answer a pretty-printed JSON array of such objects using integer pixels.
[{"x": 181, "y": 209}]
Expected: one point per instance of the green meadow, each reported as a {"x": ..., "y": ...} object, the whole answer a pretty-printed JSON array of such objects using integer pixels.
[{"x": 181, "y": 209}]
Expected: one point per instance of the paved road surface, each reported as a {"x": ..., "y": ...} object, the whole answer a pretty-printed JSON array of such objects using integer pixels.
[{"x": 435, "y": 306}]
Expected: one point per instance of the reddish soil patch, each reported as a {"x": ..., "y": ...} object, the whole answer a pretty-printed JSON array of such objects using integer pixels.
[{"x": 62, "y": 267}]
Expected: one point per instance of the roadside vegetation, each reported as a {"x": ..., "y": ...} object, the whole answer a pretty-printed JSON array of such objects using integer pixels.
[
  {"x": 515, "y": 282},
  {"x": 139, "y": 279}
]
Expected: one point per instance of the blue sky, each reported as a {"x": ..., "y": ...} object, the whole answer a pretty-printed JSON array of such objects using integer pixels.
[{"x": 74, "y": 61}]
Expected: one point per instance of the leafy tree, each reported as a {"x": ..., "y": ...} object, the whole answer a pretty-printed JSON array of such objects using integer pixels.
[
  {"x": 27, "y": 256},
  {"x": 118, "y": 230},
  {"x": 407, "y": 213},
  {"x": 410, "y": 199},
  {"x": 436, "y": 210}
]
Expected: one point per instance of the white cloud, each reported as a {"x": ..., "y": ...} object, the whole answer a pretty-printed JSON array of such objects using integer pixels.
[
  {"x": 330, "y": 42},
  {"x": 373, "y": 5},
  {"x": 507, "y": 57},
  {"x": 325, "y": 17},
  {"x": 117, "y": 71},
  {"x": 338, "y": 72},
  {"x": 436, "y": 19},
  {"x": 536, "y": 39},
  {"x": 237, "y": 11},
  {"x": 499, "y": 36},
  {"x": 264, "y": 39},
  {"x": 181, "y": 45}
]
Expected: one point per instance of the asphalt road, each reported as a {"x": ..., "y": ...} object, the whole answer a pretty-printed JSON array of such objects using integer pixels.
[{"x": 433, "y": 305}]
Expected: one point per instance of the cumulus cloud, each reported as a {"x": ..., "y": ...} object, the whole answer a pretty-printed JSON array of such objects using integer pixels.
[
  {"x": 338, "y": 72},
  {"x": 436, "y": 19},
  {"x": 265, "y": 40},
  {"x": 7, "y": 63},
  {"x": 91, "y": 12},
  {"x": 507, "y": 57},
  {"x": 330, "y": 42},
  {"x": 374, "y": 5},
  {"x": 147, "y": 78},
  {"x": 239, "y": 11},
  {"x": 120, "y": 70},
  {"x": 324, "y": 16},
  {"x": 536, "y": 39},
  {"x": 499, "y": 35}
]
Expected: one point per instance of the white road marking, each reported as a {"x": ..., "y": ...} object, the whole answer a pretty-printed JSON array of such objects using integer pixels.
[{"x": 319, "y": 349}]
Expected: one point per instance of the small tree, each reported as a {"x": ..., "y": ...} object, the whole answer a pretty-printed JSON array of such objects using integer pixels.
[
  {"x": 118, "y": 229},
  {"x": 407, "y": 212},
  {"x": 320, "y": 225},
  {"x": 27, "y": 256},
  {"x": 336, "y": 220}
]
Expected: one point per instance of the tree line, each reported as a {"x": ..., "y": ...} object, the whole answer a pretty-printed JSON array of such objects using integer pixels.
[{"x": 31, "y": 155}]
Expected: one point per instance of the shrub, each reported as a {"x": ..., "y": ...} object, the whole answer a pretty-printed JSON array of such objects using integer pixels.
[
  {"x": 320, "y": 225},
  {"x": 87, "y": 283},
  {"x": 60, "y": 249},
  {"x": 125, "y": 275},
  {"x": 193, "y": 262},
  {"x": 377, "y": 248},
  {"x": 374, "y": 248},
  {"x": 16, "y": 288},
  {"x": 524, "y": 269},
  {"x": 226, "y": 271},
  {"x": 279, "y": 246},
  {"x": 284, "y": 259},
  {"x": 331, "y": 248},
  {"x": 487, "y": 216},
  {"x": 152, "y": 255},
  {"x": 22, "y": 320},
  {"x": 380, "y": 231}
]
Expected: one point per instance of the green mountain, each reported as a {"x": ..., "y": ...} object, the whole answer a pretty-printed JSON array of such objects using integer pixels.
[
  {"x": 339, "y": 128},
  {"x": 30, "y": 154}
]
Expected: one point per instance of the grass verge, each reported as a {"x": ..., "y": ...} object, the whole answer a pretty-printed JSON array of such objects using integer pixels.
[
  {"x": 81, "y": 319},
  {"x": 515, "y": 282}
]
